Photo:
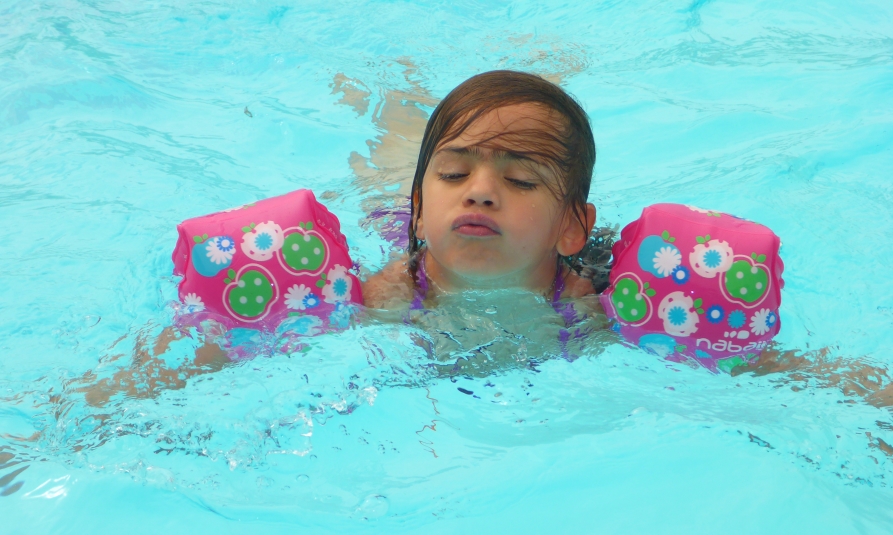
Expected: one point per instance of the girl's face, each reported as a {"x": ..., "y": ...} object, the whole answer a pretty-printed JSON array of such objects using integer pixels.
[{"x": 490, "y": 218}]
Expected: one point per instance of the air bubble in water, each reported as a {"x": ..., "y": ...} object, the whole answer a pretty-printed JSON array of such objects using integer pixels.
[{"x": 374, "y": 506}]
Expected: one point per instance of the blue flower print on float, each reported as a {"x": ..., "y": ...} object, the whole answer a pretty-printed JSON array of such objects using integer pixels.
[
  {"x": 661, "y": 345},
  {"x": 680, "y": 275},
  {"x": 712, "y": 259},
  {"x": 702, "y": 354},
  {"x": 225, "y": 244},
  {"x": 677, "y": 316},
  {"x": 246, "y": 338},
  {"x": 680, "y": 314},
  {"x": 338, "y": 285},
  {"x": 311, "y": 301},
  {"x": 303, "y": 325},
  {"x": 709, "y": 257},
  {"x": 213, "y": 255},
  {"x": 295, "y": 296},
  {"x": 657, "y": 255},
  {"x": 737, "y": 319},
  {"x": 771, "y": 318},
  {"x": 340, "y": 317},
  {"x": 715, "y": 314},
  {"x": 261, "y": 241}
]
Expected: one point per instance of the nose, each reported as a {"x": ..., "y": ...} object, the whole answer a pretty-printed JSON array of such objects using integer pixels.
[{"x": 482, "y": 188}]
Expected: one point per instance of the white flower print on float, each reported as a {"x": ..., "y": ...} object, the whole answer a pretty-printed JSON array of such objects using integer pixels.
[
  {"x": 193, "y": 303},
  {"x": 666, "y": 259},
  {"x": 294, "y": 297},
  {"x": 702, "y": 211},
  {"x": 762, "y": 321},
  {"x": 711, "y": 258},
  {"x": 677, "y": 311},
  {"x": 262, "y": 241},
  {"x": 249, "y": 205},
  {"x": 221, "y": 249},
  {"x": 338, "y": 285}
]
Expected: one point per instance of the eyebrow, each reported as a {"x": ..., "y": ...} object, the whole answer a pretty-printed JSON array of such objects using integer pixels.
[{"x": 498, "y": 154}]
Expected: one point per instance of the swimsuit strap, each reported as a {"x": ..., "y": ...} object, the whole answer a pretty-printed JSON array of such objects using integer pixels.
[
  {"x": 558, "y": 285},
  {"x": 421, "y": 289},
  {"x": 566, "y": 310}
]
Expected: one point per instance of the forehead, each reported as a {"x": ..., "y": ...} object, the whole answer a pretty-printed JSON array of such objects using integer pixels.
[{"x": 512, "y": 127}]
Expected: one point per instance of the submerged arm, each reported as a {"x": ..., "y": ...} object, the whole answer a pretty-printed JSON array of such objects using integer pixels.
[
  {"x": 854, "y": 378},
  {"x": 149, "y": 374}
]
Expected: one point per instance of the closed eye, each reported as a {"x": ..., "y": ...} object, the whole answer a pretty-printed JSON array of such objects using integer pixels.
[
  {"x": 521, "y": 184},
  {"x": 452, "y": 177}
]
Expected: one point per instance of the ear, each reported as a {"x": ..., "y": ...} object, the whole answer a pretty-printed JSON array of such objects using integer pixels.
[
  {"x": 574, "y": 236},
  {"x": 418, "y": 222},
  {"x": 420, "y": 229}
]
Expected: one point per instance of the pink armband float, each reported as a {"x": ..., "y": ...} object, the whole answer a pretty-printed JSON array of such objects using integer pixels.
[
  {"x": 692, "y": 283},
  {"x": 259, "y": 264}
]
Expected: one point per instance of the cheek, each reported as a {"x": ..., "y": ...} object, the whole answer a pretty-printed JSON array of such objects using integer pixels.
[
  {"x": 540, "y": 216},
  {"x": 430, "y": 224},
  {"x": 539, "y": 225},
  {"x": 429, "y": 208}
]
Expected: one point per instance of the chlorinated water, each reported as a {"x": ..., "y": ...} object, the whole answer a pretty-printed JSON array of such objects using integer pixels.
[{"x": 118, "y": 120}]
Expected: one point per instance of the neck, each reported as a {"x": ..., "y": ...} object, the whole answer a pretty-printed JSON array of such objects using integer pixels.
[{"x": 541, "y": 280}]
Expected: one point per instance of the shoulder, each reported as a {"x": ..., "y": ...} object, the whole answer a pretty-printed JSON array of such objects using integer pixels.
[
  {"x": 581, "y": 290},
  {"x": 576, "y": 286},
  {"x": 391, "y": 287}
]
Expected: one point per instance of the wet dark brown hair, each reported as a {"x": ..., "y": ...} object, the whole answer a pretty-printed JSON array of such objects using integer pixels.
[{"x": 565, "y": 145}]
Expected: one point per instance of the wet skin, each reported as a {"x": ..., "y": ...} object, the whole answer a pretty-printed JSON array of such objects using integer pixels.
[{"x": 490, "y": 217}]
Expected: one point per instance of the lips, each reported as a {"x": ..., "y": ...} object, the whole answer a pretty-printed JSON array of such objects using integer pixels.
[{"x": 476, "y": 225}]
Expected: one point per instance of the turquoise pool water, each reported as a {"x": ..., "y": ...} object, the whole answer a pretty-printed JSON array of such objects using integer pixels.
[{"x": 118, "y": 120}]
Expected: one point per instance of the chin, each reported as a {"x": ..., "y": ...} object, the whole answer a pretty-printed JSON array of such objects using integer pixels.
[{"x": 481, "y": 264}]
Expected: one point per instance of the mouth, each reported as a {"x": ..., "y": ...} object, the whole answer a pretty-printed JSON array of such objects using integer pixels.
[{"x": 476, "y": 225}]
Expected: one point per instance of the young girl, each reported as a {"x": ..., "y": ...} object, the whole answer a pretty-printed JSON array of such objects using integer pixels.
[
  {"x": 498, "y": 204},
  {"x": 499, "y": 196}
]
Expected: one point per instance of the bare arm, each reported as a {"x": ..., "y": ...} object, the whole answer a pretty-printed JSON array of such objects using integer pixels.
[
  {"x": 391, "y": 287},
  {"x": 854, "y": 378},
  {"x": 148, "y": 373}
]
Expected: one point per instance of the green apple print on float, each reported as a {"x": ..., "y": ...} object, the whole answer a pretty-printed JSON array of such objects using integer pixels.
[
  {"x": 747, "y": 281},
  {"x": 631, "y": 301},
  {"x": 250, "y": 294},
  {"x": 304, "y": 250}
]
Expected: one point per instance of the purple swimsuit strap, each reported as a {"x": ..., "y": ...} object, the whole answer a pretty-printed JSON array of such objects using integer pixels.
[
  {"x": 565, "y": 310},
  {"x": 421, "y": 289},
  {"x": 559, "y": 286}
]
